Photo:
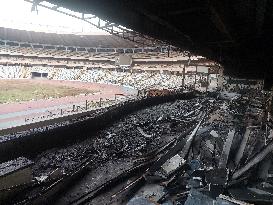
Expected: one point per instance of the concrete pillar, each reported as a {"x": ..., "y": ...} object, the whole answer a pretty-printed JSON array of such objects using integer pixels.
[
  {"x": 220, "y": 78},
  {"x": 183, "y": 79},
  {"x": 195, "y": 77},
  {"x": 207, "y": 82}
]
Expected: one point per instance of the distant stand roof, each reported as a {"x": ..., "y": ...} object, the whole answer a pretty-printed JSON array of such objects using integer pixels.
[{"x": 104, "y": 41}]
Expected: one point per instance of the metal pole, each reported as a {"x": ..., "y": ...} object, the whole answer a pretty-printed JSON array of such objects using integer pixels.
[
  {"x": 207, "y": 85},
  {"x": 183, "y": 79},
  {"x": 195, "y": 76},
  {"x": 100, "y": 102}
]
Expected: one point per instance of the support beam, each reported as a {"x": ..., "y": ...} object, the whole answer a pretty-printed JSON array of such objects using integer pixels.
[
  {"x": 226, "y": 150},
  {"x": 107, "y": 26},
  {"x": 241, "y": 150},
  {"x": 183, "y": 80},
  {"x": 195, "y": 76},
  {"x": 207, "y": 83},
  {"x": 255, "y": 160},
  {"x": 219, "y": 23}
]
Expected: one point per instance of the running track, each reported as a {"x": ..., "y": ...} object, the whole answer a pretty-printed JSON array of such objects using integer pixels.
[{"x": 14, "y": 114}]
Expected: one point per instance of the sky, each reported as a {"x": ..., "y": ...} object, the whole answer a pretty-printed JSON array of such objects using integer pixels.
[{"x": 17, "y": 14}]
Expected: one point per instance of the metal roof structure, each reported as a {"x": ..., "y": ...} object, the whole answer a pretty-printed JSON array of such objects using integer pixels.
[{"x": 103, "y": 41}]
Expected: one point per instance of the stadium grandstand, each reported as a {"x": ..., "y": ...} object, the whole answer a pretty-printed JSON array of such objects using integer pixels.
[
  {"x": 63, "y": 57},
  {"x": 94, "y": 60}
]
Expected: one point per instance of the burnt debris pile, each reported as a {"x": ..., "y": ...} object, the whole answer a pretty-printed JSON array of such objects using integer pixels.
[
  {"x": 213, "y": 149},
  {"x": 224, "y": 158},
  {"x": 133, "y": 136}
]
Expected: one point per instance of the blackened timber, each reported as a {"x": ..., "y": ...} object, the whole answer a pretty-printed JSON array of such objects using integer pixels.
[
  {"x": 189, "y": 140},
  {"x": 241, "y": 150},
  {"x": 86, "y": 197},
  {"x": 183, "y": 144},
  {"x": 264, "y": 167},
  {"x": 226, "y": 149},
  {"x": 255, "y": 160},
  {"x": 172, "y": 152}
]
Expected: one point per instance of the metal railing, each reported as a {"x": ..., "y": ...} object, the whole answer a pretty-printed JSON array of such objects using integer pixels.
[{"x": 80, "y": 108}]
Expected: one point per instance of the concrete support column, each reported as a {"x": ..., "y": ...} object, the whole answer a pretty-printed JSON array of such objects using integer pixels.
[
  {"x": 195, "y": 77},
  {"x": 183, "y": 79},
  {"x": 220, "y": 78},
  {"x": 207, "y": 81}
]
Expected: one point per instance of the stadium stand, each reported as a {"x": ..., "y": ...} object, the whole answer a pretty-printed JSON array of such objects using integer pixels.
[
  {"x": 10, "y": 72},
  {"x": 137, "y": 80},
  {"x": 92, "y": 58},
  {"x": 67, "y": 46}
]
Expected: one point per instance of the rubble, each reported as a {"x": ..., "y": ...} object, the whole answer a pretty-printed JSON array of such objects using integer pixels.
[
  {"x": 219, "y": 165},
  {"x": 207, "y": 150}
]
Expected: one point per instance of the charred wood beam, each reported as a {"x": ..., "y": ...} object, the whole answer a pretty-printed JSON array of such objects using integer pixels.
[
  {"x": 183, "y": 145},
  {"x": 134, "y": 185},
  {"x": 264, "y": 167},
  {"x": 86, "y": 197},
  {"x": 131, "y": 188},
  {"x": 189, "y": 139},
  {"x": 171, "y": 153},
  {"x": 255, "y": 160},
  {"x": 241, "y": 149},
  {"x": 226, "y": 150}
]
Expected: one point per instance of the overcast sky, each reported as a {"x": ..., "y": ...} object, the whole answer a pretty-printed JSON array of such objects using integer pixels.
[{"x": 17, "y": 14}]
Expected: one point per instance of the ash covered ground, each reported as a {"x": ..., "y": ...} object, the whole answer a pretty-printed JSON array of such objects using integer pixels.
[
  {"x": 206, "y": 147},
  {"x": 133, "y": 136}
]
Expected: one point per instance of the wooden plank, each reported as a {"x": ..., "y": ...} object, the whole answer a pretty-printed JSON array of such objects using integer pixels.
[{"x": 226, "y": 150}]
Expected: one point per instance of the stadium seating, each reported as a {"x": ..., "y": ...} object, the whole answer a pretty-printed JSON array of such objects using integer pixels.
[
  {"x": 89, "y": 58},
  {"x": 137, "y": 80},
  {"x": 11, "y": 72}
]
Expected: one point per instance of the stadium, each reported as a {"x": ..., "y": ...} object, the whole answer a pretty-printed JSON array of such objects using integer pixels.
[
  {"x": 109, "y": 66},
  {"x": 125, "y": 116}
]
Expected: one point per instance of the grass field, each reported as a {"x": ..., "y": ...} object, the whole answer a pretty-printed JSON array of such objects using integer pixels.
[{"x": 17, "y": 90}]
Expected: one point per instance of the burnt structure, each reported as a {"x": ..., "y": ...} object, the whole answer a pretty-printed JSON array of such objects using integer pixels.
[{"x": 235, "y": 33}]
